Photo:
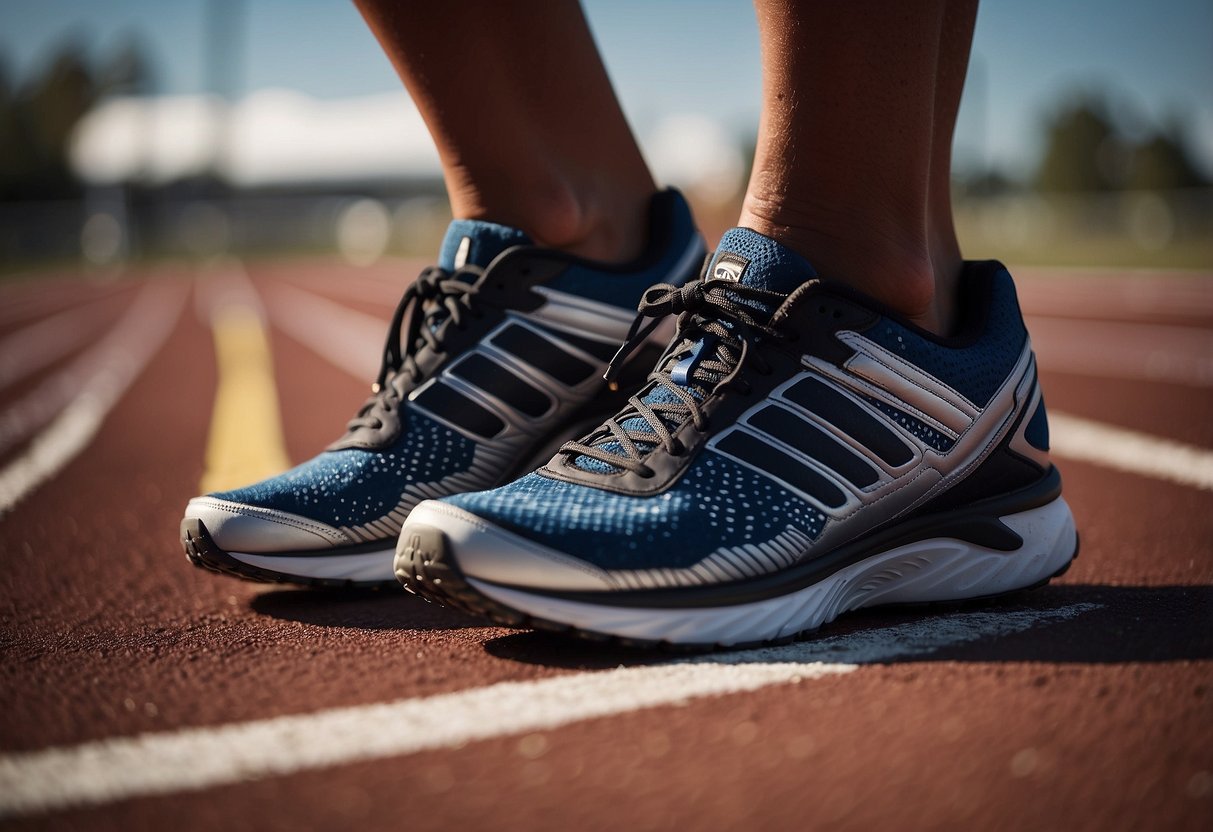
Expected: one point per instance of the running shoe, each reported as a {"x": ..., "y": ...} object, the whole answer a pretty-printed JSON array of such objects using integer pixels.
[
  {"x": 799, "y": 451},
  {"x": 493, "y": 359}
]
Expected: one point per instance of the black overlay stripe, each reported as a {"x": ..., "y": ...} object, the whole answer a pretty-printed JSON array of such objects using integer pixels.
[
  {"x": 778, "y": 464},
  {"x": 456, "y": 408},
  {"x": 603, "y": 350},
  {"x": 539, "y": 352},
  {"x": 850, "y": 418},
  {"x": 814, "y": 443},
  {"x": 499, "y": 382}
]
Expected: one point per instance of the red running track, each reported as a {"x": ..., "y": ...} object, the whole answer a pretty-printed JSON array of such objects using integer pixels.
[{"x": 1094, "y": 711}]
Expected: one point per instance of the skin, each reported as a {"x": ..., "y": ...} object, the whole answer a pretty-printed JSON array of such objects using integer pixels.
[
  {"x": 526, "y": 122},
  {"x": 852, "y": 167},
  {"x": 854, "y": 147}
]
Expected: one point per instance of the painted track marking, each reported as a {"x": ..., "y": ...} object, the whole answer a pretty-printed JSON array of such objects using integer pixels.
[
  {"x": 40, "y": 344},
  {"x": 1127, "y": 450},
  {"x": 359, "y": 287},
  {"x": 245, "y": 443},
  {"x": 72, "y": 405},
  {"x": 1108, "y": 349},
  {"x": 1128, "y": 294},
  {"x": 350, "y": 341},
  {"x": 21, "y": 306},
  {"x": 199, "y": 758}
]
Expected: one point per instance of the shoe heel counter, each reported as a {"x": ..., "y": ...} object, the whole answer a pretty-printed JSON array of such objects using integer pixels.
[
  {"x": 684, "y": 242},
  {"x": 1021, "y": 460},
  {"x": 1030, "y": 439}
]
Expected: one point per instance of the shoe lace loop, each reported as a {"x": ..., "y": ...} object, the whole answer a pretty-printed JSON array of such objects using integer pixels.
[
  {"x": 718, "y": 324},
  {"x": 435, "y": 297}
]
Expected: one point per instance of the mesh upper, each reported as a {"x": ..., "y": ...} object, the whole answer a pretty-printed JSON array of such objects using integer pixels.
[
  {"x": 716, "y": 503},
  {"x": 624, "y": 289},
  {"x": 773, "y": 267},
  {"x": 975, "y": 371},
  {"x": 920, "y": 429},
  {"x": 485, "y": 241},
  {"x": 354, "y": 486}
]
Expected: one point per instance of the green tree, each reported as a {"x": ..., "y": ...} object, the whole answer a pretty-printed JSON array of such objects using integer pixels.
[
  {"x": 1163, "y": 163},
  {"x": 1078, "y": 142}
]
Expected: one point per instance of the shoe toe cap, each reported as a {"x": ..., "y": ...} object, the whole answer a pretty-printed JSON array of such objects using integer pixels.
[
  {"x": 247, "y": 528},
  {"x": 487, "y": 552}
]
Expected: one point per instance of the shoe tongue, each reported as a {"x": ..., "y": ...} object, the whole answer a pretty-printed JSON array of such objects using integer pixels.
[
  {"x": 744, "y": 257},
  {"x": 476, "y": 243},
  {"x": 749, "y": 258}
]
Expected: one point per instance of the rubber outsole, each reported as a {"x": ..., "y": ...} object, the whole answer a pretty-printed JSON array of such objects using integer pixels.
[
  {"x": 424, "y": 566},
  {"x": 202, "y": 551}
]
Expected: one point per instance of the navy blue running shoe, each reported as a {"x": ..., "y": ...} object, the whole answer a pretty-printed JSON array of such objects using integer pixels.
[
  {"x": 798, "y": 452},
  {"x": 494, "y": 358}
]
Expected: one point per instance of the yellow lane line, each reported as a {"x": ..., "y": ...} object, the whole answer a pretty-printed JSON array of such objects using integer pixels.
[{"x": 245, "y": 443}]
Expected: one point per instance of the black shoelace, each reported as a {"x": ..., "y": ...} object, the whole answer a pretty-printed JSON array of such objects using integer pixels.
[
  {"x": 717, "y": 329},
  {"x": 436, "y": 296}
]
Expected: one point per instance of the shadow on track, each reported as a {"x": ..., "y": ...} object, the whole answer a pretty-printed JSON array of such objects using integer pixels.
[
  {"x": 1132, "y": 624},
  {"x": 360, "y": 609}
]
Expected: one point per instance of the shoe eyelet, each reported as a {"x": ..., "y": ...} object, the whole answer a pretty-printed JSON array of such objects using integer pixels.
[{"x": 646, "y": 473}]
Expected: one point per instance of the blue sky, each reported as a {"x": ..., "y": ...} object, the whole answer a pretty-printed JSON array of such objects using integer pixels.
[{"x": 669, "y": 57}]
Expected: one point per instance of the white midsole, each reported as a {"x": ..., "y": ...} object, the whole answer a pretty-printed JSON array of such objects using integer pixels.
[
  {"x": 940, "y": 569},
  {"x": 368, "y": 566}
]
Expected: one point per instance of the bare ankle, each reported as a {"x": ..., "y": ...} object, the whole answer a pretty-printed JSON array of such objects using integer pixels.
[
  {"x": 607, "y": 222},
  {"x": 894, "y": 265}
]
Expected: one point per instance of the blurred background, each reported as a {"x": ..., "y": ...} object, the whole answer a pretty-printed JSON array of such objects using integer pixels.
[{"x": 133, "y": 130}]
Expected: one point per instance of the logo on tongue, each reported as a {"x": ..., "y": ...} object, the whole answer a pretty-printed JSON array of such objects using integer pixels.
[
  {"x": 730, "y": 267},
  {"x": 461, "y": 256}
]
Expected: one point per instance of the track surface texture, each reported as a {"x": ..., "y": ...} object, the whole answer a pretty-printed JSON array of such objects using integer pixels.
[{"x": 141, "y": 692}]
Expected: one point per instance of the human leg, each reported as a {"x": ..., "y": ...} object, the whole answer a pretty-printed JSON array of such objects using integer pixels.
[
  {"x": 527, "y": 126},
  {"x": 496, "y": 354},
  {"x": 852, "y": 163},
  {"x": 800, "y": 451}
]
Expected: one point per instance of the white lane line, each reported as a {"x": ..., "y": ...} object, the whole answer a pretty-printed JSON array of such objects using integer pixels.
[
  {"x": 350, "y": 341},
  {"x": 245, "y": 443},
  {"x": 1085, "y": 440},
  {"x": 40, "y": 344},
  {"x": 70, "y": 406},
  {"x": 1132, "y": 294},
  {"x": 199, "y": 758},
  {"x": 1151, "y": 352},
  {"x": 367, "y": 289},
  {"x": 52, "y": 299}
]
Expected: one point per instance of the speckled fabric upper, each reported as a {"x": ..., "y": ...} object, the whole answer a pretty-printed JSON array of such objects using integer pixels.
[
  {"x": 917, "y": 427},
  {"x": 354, "y": 486},
  {"x": 975, "y": 371},
  {"x": 717, "y": 503}
]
